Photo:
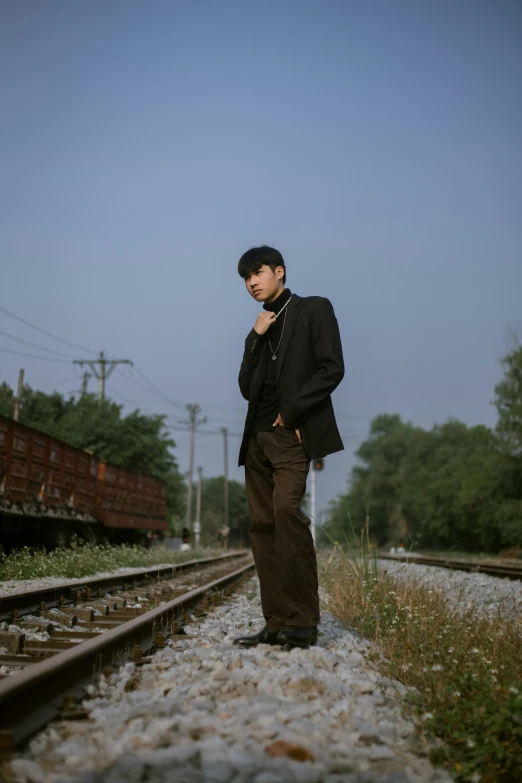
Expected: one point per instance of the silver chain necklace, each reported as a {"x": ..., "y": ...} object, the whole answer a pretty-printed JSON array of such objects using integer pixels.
[{"x": 274, "y": 352}]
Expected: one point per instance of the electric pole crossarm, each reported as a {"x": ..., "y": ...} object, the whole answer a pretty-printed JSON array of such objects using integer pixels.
[
  {"x": 197, "y": 521},
  {"x": 111, "y": 366},
  {"x": 102, "y": 368},
  {"x": 91, "y": 365}
]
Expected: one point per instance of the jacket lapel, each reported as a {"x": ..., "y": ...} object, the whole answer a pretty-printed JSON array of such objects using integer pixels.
[{"x": 292, "y": 310}]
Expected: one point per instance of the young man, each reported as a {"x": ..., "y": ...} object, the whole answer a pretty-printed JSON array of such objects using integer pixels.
[{"x": 292, "y": 362}]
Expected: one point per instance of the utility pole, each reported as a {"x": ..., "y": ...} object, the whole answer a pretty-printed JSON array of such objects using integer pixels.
[
  {"x": 18, "y": 398},
  {"x": 105, "y": 370},
  {"x": 224, "y": 430},
  {"x": 193, "y": 423},
  {"x": 312, "y": 497},
  {"x": 197, "y": 521},
  {"x": 86, "y": 376}
]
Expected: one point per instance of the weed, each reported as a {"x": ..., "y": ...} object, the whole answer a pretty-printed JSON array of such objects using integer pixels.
[
  {"x": 467, "y": 670},
  {"x": 78, "y": 560}
]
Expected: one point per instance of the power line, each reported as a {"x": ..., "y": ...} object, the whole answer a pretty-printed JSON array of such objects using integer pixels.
[
  {"x": 32, "y": 356},
  {"x": 203, "y": 432},
  {"x": 172, "y": 427},
  {"x": 230, "y": 411},
  {"x": 133, "y": 401},
  {"x": 345, "y": 436},
  {"x": 350, "y": 436},
  {"x": 176, "y": 404},
  {"x": 35, "y": 345},
  {"x": 152, "y": 386},
  {"x": 119, "y": 394},
  {"x": 44, "y": 331},
  {"x": 134, "y": 381},
  {"x": 138, "y": 402}
]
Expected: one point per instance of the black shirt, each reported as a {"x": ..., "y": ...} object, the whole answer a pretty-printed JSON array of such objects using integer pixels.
[{"x": 268, "y": 406}]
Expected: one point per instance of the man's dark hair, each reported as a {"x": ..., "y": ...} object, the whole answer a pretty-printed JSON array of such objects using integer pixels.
[{"x": 253, "y": 260}]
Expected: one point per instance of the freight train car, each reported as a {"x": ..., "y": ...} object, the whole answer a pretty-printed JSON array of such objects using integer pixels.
[{"x": 50, "y": 491}]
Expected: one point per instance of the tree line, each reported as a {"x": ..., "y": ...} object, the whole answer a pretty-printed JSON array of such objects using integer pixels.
[{"x": 450, "y": 487}]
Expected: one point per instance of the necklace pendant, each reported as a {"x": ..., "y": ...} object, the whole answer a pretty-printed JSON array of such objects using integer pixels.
[{"x": 274, "y": 357}]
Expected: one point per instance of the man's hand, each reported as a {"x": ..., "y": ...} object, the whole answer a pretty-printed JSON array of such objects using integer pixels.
[
  {"x": 280, "y": 423},
  {"x": 264, "y": 322}
]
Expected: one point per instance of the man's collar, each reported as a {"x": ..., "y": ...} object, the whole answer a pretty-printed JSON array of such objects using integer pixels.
[{"x": 278, "y": 303}]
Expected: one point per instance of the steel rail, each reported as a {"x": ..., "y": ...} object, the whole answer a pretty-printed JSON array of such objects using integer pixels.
[
  {"x": 32, "y": 698},
  {"x": 29, "y": 602},
  {"x": 472, "y": 566}
]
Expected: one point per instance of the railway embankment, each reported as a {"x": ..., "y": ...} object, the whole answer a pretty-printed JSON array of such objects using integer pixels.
[
  {"x": 465, "y": 591},
  {"x": 204, "y": 710},
  {"x": 455, "y": 639},
  {"x": 417, "y": 676}
]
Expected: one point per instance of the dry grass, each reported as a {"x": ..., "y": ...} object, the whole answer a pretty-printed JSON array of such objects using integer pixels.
[{"x": 467, "y": 670}]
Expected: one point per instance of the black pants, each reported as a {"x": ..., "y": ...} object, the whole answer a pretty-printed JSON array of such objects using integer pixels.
[{"x": 276, "y": 469}]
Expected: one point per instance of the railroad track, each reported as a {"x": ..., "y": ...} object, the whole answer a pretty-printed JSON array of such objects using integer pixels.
[
  {"x": 475, "y": 566},
  {"x": 51, "y": 675},
  {"x": 27, "y": 602}
]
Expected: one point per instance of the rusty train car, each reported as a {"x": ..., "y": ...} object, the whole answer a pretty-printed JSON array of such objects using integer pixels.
[{"x": 51, "y": 491}]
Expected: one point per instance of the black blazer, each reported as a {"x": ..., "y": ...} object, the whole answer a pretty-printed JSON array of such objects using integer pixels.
[{"x": 309, "y": 367}]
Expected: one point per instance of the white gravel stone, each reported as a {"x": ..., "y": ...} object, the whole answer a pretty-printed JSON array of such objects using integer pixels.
[
  {"x": 216, "y": 771},
  {"x": 205, "y": 710},
  {"x": 485, "y": 595},
  {"x": 25, "y": 769},
  {"x": 267, "y": 776},
  {"x": 377, "y": 752},
  {"x": 129, "y": 767}
]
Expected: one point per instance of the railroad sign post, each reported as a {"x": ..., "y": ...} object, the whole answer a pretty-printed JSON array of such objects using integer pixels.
[{"x": 197, "y": 521}]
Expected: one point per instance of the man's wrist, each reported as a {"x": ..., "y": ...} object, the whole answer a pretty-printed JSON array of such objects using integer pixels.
[
  {"x": 253, "y": 341},
  {"x": 286, "y": 416}
]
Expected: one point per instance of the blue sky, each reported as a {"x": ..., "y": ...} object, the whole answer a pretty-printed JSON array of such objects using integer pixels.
[{"x": 145, "y": 146}]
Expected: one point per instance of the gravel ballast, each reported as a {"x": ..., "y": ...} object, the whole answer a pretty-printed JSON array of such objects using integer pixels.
[
  {"x": 485, "y": 595},
  {"x": 205, "y": 710}
]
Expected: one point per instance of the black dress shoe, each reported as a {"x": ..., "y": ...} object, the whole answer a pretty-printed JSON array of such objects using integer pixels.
[
  {"x": 296, "y": 636},
  {"x": 265, "y": 636}
]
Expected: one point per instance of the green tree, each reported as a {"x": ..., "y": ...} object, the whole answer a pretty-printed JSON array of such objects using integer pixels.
[
  {"x": 176, "y": 494},
  {"x": 508, "y": 401},
  {"x": 459, "y": 490},
  {"x": 213, "y": 510},
  {"x": 6, "y": 400},
  {"x": 376, "y": 484},
  {"x": 450, "y": 487}
]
